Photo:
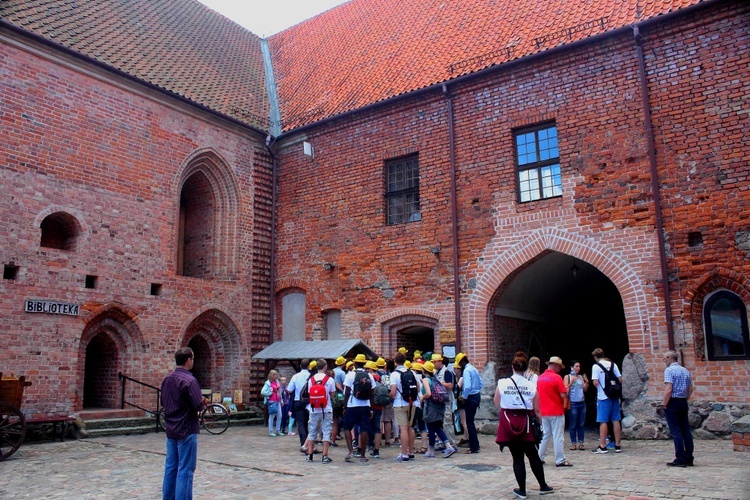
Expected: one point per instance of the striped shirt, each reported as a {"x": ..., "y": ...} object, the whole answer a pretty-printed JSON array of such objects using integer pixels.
[
  {"x": 181, "y": 398},
  {"x": 679, "y": 377}
]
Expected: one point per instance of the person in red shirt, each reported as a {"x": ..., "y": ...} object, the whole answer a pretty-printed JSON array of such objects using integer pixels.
[{"x": 552, "y": 392}]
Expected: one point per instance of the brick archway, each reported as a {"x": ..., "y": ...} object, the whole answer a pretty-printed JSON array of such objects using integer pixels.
[
  {"x": 221, "y": 337},
  {"x": 476, "y": 340},
  {"x": 394, "y": 322},
  {"x": 111, "y": 342}
]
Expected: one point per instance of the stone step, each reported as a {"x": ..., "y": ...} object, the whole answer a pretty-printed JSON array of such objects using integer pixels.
[{"x": 101, "y": 413}]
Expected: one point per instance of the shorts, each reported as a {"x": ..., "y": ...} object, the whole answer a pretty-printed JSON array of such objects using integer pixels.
[
  {"x": 375, "y": 422},
  {"x": 607, "y": 409},
  {"x": 357, "y": 416},
  {"x": 387, "y": 415},
  {"x": 404, "y": 415},
  {"x": 325, "y": 420}
]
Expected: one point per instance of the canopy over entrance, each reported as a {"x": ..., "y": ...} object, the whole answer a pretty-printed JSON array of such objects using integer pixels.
[{"x": 295, "y": 350}]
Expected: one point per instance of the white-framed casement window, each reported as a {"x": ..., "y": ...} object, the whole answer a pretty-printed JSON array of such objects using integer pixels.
[{"x": 537, "y": 163}]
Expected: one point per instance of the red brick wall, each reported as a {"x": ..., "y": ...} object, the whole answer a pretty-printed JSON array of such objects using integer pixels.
[
  {"x": 332, "y": 205},
  {"x": 116, "y": 161}
]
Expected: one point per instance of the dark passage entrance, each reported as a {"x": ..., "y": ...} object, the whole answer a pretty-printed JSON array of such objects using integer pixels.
[
  {"x": 202, "y": 365},
  {"x": 416, "y": 338},
  {"x": 558, "y": 306},
  {"x": 100, "y": 386}
]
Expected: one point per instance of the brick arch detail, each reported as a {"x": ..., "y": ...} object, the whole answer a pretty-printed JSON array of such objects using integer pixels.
[
  {"x": 695, "y": 295},
  {"x": 53, "y": 209},
  {"x": 476, "y": 341},
  {"x": 393, "y": 321},
  {"x": 286, "y": 284},
  {"x": 120, "y": 325},
  {"x": 224, "y": 340},
  {"x": 228, "y": 206}
]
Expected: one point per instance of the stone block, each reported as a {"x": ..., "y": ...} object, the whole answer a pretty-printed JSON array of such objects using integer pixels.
[
  {"x": 718, "y": 422},
  {"x": 742, "y": 425},
  {"x": 634, "y": 376},
  {"x": 628, "y": 422}
]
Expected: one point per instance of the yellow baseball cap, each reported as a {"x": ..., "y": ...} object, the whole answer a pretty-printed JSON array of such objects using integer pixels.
[
  {"x": 459, "y": 357},
  {"x": 340, "y": 360}
]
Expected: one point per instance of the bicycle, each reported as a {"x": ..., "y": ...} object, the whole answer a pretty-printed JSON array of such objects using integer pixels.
[{"x": 213, "y": 417}]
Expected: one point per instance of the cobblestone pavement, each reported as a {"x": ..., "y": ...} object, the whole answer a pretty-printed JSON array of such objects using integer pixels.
[{"x": 246, "y": 463}]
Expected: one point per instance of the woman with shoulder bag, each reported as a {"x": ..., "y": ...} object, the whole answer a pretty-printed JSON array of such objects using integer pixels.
[
  {"x": 272, "y": 393},
  {"x": 433, "y": 411},
  {"x": 577, "y": 385},
  {"x": 518, "y": 402}
]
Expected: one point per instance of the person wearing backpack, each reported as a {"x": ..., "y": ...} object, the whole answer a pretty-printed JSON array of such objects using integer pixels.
[
  {"x": 358, "y": 387},
  {"x": 320, "y": 389},
  {"x": 448, "y": 380},
  {"x": 299, "y": 407},
  {"x": 608, "y": 382},
  {"x": 404, "y": 391},
  {"x": 434, "y": 398},
  {"x": 380, "y": 397}
]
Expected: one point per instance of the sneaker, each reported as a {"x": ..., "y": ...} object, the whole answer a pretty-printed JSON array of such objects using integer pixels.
[
  {"x": 519, "y": 493},
  {"x": 599, "y": 450},
  {"x": 676, "y": 464},
  {"x": 429, "y": 454},
  {"x": 326, "y": 460},
  {"x": 375, "y": 454},
  {"x": 292, "y": 433},
  {"x": 363, "y": 460},
  {"x": 546, "y": 490},
  {"x": 349, "y": 457},
  {"x": 618, "y": 449},
  {"x": 400, "y": 458},
  {"x": 271, "y": 434},
  {"x": 411, "y": 457},
  {"x": 449, "y": 452},
  {"x": 303, "y": 449},
  {"x": 309, "y": 458},
  {"x": 357, "y": 454}
]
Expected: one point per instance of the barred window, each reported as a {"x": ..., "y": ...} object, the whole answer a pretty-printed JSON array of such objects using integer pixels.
[
  {"x": 538, "y": 163},
  {"x": 402, "y": 190}
]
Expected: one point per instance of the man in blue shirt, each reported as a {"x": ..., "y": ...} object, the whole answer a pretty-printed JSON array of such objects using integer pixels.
[
  {"x": 299, "y": 407},
  {"x": 678, "y": 388},
  {"x": 472, "y": 395},
  {"x": 181, "y": 398}
]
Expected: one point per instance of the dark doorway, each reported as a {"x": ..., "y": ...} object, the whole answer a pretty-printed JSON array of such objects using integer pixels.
[
  {"x": 558, "y": 306},
  {"x": 202, "y": 364},
  {"x": 416, "y": 338},
  {"x": 100, "y": 386}
]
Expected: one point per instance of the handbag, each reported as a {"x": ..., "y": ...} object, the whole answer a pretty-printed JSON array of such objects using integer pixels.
[
  {"x": 273, "y": 407},
  {"x": 534, "y": 423}
]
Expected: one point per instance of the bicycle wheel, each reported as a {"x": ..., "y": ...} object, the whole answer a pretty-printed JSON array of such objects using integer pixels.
[
  {"x": 160, "y": 419},
  {"x": 215, "y": 418}
]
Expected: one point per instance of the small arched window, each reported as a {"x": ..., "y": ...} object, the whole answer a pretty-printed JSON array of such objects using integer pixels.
[
  {"x": 725, "y": 320},
  {"x": 59, "y": 230}
]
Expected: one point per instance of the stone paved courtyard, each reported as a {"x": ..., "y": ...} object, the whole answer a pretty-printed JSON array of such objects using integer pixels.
[{"x": 246, "y": 463}]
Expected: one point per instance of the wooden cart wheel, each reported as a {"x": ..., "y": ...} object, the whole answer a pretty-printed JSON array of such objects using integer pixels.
[{"x": 12, "y": 430}]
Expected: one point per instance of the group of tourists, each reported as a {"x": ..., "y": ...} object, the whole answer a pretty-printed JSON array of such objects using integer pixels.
[
  {"x": 376, "y": 403},
  {"x": 370, "y": 404}
]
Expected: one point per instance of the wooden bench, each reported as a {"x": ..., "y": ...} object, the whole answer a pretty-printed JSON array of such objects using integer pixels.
[{"x": 61, "y": 421}]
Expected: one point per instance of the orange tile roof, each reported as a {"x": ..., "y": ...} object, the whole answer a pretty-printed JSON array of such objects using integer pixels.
[
  {"x": 366, "y": 51},
  {"x": 178, "y": 45}
]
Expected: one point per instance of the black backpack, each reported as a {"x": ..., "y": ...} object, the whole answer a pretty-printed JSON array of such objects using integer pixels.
[
  {"x": 612, "y": 385},
  {"x": 362, "y": 386},
  {"x": 304, "y": 395},
  {"x": 409, "y": 387}
]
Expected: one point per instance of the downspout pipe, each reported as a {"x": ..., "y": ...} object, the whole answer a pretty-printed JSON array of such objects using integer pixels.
[
  {"x": 454, "y": 214},
  {"x": 648, "y": 125},
  {"x": 272, "y": 263}
]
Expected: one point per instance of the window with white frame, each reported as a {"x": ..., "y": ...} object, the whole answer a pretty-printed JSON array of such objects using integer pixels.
[
  {"x": 538, "y": 163},
  {"x": 402, "y": 190}
]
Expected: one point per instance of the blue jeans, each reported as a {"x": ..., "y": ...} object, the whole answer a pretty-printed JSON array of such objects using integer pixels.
[
  {"x": 676, "y": 413},
  {"x": 577, "y": 418},
  {"x": 471, "y": 404},
  {"x": 179, "y": 467}
]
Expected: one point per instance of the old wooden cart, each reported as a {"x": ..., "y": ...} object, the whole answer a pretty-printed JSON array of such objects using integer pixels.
[{"x": 12, "y": 421}]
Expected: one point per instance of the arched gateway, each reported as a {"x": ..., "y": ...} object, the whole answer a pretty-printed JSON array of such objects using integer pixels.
[{"x": 557, "y": 293}]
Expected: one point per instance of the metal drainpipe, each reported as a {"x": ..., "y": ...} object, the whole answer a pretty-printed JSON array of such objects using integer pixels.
[
  {"x": 272, "y": 305},
  {"x": 648, "y": 124},
  {"x": 454, "y": 216}
]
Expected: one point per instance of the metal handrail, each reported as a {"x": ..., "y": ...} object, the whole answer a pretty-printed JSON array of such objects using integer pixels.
[{"x": 123, "y": 379}]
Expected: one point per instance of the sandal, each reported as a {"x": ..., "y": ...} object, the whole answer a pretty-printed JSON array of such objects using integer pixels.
[
  {"x": 573, "y": 447},
  {"x": 581, "y": 447},
  {"x": 422, "y": 450},
  {"x": 564, "y": 464}
]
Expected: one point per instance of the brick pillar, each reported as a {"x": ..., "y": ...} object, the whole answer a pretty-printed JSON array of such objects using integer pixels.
[{"x": 741, "y": 434}]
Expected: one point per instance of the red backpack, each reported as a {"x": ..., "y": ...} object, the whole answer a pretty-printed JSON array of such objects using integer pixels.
[{"x": 318, "y": 393}]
